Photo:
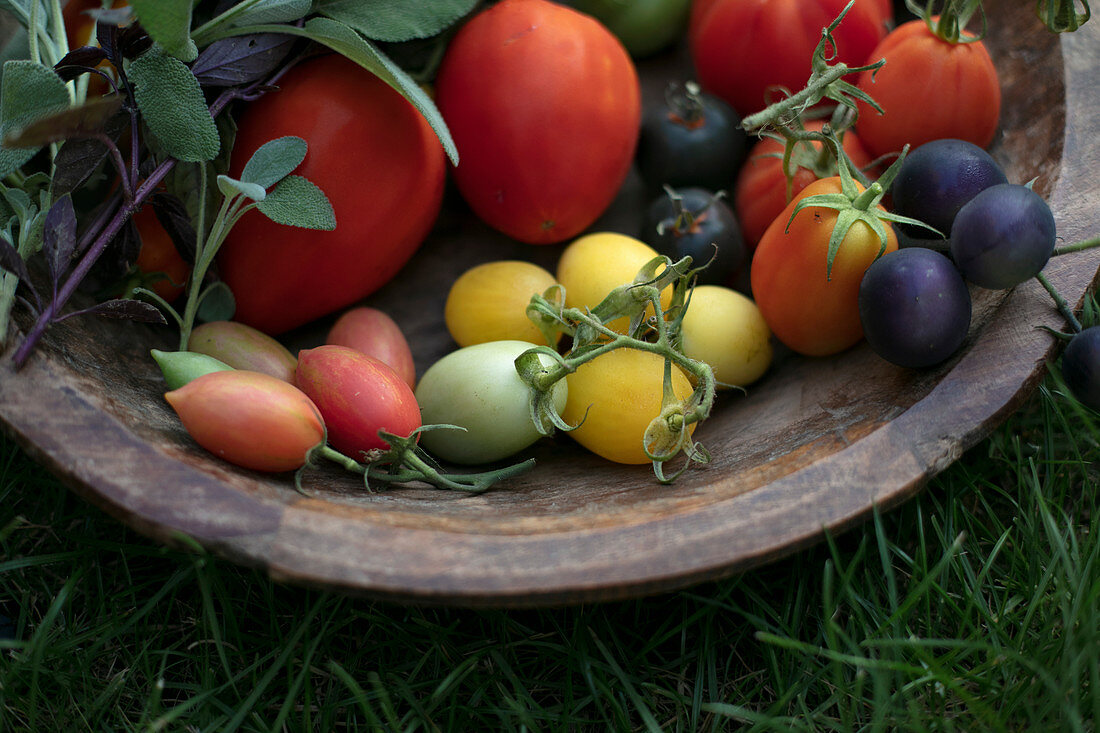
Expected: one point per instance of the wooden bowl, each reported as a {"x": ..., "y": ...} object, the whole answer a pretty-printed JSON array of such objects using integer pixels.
[{"x": 811, "y": 448}]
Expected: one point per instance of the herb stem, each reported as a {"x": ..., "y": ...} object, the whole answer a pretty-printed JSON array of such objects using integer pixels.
[{"x": 1060, "y": 303}]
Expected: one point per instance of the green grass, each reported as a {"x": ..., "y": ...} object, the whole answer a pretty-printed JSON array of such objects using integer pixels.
[{"x": 974, "y": 607}]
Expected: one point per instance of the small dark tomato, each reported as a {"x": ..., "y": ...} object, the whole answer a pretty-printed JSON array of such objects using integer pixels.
[
  {"x": 935, "y": 181},
  {"x": 696, "y": 222},
  {"x": 1003, "y": 236},
  {"x": 691, "y": 139},
  {"x": 914, "y": 306},
  {"x": 1081, "y": 367}
]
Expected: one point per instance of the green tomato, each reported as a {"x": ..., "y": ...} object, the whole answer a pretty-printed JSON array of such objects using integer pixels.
[
  {"x": 644, "y": 26},
  {"x": 478, "y": 388}
]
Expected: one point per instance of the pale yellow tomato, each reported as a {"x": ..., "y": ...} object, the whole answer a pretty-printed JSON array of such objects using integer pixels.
[
  {"x": 621, "y": 392},
  {"x": 725, "y": 329},
  {"x": 488, "y": 302},
  {"x": 594, "y": 265}
]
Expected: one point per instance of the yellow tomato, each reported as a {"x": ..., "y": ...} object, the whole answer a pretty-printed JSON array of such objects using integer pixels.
[
  {"x": 726, "y": 330},
  {"x": 594, "y": 265},
  {"x": 489, "y": 302},
  {"x": 621, "y": 392}
]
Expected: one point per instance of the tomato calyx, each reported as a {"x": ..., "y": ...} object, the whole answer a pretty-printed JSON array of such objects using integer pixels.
[
  {"x": 1061, "y": 16},
  {"x": 685, "y": 104},
  {"x": 653, "y": 329},
  {"x": 855, "y": 203},
  {"x": 405, "y": 462},
  {"x": 948, "y": 23}
]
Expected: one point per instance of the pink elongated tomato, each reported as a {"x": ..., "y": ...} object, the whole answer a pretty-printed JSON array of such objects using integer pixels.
[
  {"x": 250, "y": 419},
  {"x": 544, "y": 105},
  {"x": 357, "y": 395},
  {"x": 374, "y": 333}
]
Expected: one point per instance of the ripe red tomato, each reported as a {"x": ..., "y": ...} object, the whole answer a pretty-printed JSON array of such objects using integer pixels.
[
  {"x": 810, "y": 312},
  {"x": 382, "y": 168},
  {"x": 929, "y": 89},
  {"x": 357, "y": 395},
  {"x": 544, "y": 105},
  {"x": 376, "y": 334},
  {"x": 158, "y": 258},
  {"x": 742, "y": 48},
  {"x": 761, "y": 190}
]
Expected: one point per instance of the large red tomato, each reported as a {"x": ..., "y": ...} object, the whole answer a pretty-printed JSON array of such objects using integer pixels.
[
  {"x": 761, "y": 189},
  {"x": 810, "y": 309},
  {"x": 929, "y": 89},
  {"x": 382, "y": 168},
  {"x": 544, "y": 105},
  {"x": 743, "y": 48}
]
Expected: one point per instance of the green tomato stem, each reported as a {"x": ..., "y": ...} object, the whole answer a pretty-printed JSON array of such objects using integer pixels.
[
  {"x": 1076, "y": 246},
  {"x": 1060, "y": 303}
]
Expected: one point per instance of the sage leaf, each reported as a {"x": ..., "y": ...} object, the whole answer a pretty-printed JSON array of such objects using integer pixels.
[
  {"x": 297, "y": 202},
  {"x": 231, "y": 187},
  {"x": 341, "y": 38},
  {"x": 59, "y": 237},
  {"x": 216, "y": 303},
  {"x": 172, "y": 103},
  {"x": 271, "y": 11},
  {"x": 274, "y": 160},
  {"x": 395, "y": 20},
  {"x": 28, "y": 92},
  {"x": 241, "y": 59},
  {"x": 168, "y": 22}
]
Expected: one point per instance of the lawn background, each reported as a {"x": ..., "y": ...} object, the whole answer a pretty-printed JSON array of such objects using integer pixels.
[{"x": 972, "y": 607}]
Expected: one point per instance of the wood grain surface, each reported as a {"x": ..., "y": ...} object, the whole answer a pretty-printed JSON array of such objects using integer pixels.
[{"x": 813, "y": 447}]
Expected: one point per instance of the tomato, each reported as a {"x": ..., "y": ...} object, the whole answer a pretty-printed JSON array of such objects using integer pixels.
[
  {"x": 617, "y": 395},
  {"x": 696, "y": 223},
  {"x": 479, "y": 389},
  {"x": 243, "y": 347},
  {"x": 544, "y": 105},
  {"x": 357, "y": 395},
  {"x": 250, "y": 419},
  {"x": 1081, "y": 367},
  {"x": 161, "y": 267},
  {"x": 374, "y": 333},
  {"x": 761, "y": 190},
  {"x": 725, "y": 329},
  {"x": 382, "y": 168},
  {"x": 594, "y": 265},
  {"x": 489, "y": 301},
  {"x": 742, "y": 49},
  {"x": 644, "y": 26},
  {"x": 811, "y": 312},
  {"x": 928, "y": 89}
]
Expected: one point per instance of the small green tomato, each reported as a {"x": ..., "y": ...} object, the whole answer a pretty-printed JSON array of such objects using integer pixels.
[
  {"x": 725, "y": 329},
  {"x": 478, "y": 388}
]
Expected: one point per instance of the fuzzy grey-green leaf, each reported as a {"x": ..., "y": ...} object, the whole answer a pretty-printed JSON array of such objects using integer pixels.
[
  {"x": 232, "y": 187},
  {"x": 396, "y": 20},
  {"x": 170, "y": 100},
  {"x": 341, "y": 38},
  {"x": 274, "y": 160},
  {"x": 272, "y": 11},
  {"x": 168, "y": 22},
  {"x": 29, "y": 91},
  {"x": 297, "y": 202}
]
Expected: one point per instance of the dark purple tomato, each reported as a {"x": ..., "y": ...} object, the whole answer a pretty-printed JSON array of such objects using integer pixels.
[
  {"x": 914, "y": 307},
  {"x": 935, "y": 181},
  {"x": 691, "y": 139},
  {"x": 697, "y": 223},
  {"x": 1003, "y": 236},
  {"x": 1081, "y": 367}
]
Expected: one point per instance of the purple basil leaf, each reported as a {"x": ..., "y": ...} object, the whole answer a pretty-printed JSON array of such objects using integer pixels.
[
  {"x": 13, "y": 263},
  {"x": 173, "y": 216},
  {"x": 106, "y": 35},
  {"x": 79, "y": 157},
  {"x": 79, "y": 61},
  {"x": 59, "y": 237},
  {"x": 133, "y": 41},
  {"x": 88, "y": 119},
  {"x": 241, "y": 59},
  {"x": 133, "y": 310}
]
